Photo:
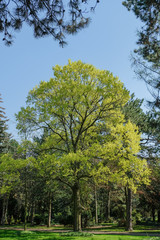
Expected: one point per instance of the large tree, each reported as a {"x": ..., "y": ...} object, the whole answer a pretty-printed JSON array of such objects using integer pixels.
[
  {"x": 79, "y": 110},
  {"x": 50, "y": 17}
]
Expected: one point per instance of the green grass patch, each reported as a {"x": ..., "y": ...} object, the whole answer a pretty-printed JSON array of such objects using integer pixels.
[
  {"x": 115, "y": 228},
  {"x": 77, "y": 234},
  {"x": 35, "y": 235}
]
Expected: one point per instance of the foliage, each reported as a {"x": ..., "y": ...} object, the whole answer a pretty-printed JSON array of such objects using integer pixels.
[
  {"x": 73, "y": 107},
  {"x": 149, "y": 13},
  {"x": 84, "y": 122},
  {"x": 3, "y": 128},
  {"x": 50, "y": 17},
  {"x": 146, "y": 60},
  {"x": 133, "y": 111},
  {"x": 120, "y": 157},
  {"x": 149, "y": 73},
  {"x": 9, "y": 172}
]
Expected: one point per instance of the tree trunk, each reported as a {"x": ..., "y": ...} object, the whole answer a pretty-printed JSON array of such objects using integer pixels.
[
  {"x": 129, "y": 226},
  {"x": 25, "y": 203},
  {"x": 4, "y": 210},
  {"x": 153, "y": 213},
  {"x": 76, "y": 208},
  {"x": 32, "y": 213},
  {"x": 158, "y": 216},
  {"x": 96, "y": 205},
  {"x": 49, "y": 210},
  {"x": 108, "y": 205}
]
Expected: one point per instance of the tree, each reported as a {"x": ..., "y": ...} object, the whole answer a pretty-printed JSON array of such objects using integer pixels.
[
  {"x": 71, "y": 106},
  {"x": 146, "y": 60},
  {"x": 80, "y": 110},
  {"x": 50, "y": 17},
  {"x": 9, "y": 178},
  {"x": 148, "y": 72},
  {"x": 133, "y": 112},
  {"x": 3, "y": 128},
  {"x": 46, "y": 170},
  {"x": 148, "y": 12}
]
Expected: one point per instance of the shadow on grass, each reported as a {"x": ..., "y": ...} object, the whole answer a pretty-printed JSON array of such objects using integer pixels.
[
  {"x": 31, "y": 235},
  {"x": 113, "y": 228}
]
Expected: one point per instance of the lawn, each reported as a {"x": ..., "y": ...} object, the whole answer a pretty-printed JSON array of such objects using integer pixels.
[
  {"x": 36, "y": 235},
  {"x": 93, "y": 233},
  {"x": 110, "y": 227}
]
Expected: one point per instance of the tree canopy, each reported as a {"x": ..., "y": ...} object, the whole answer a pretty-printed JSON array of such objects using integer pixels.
[{"x": 50, "y": 17}]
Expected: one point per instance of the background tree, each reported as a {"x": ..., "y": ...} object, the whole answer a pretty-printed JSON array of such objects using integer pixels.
[
  {"x": 49, "y": 17},
  {"x": 148, "y": 124},
  {"x": 3, "y": 128},
  {"x": 9, "y": 178},
  {"x": 148, "y": 40},
  {"x": 146, "y": 60},
  {"x": 146, "y": 64}
]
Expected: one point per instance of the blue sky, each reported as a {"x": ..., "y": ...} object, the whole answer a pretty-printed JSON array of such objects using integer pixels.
[{"x": 106, "y": 43}]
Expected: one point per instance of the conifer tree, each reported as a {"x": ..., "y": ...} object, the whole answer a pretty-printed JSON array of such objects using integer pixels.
[
  {"x": 146, "y": 59},
  {"x": 48, "y": 18},
  {"x": 3, "y": 127}
]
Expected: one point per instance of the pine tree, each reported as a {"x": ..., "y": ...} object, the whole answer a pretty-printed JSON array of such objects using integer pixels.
[
  {"x": 48, "y": 18},
  {"x": 146, "y": 59},
  {"x": 3, "y": 127}
]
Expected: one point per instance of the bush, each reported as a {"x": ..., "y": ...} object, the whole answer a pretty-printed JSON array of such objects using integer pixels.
[
  {"x": 77, "y": 234},
  {"x": 122, "y": 223},
  {"x": 63, "y": 219},
  {"x": 38, "y": 219}
]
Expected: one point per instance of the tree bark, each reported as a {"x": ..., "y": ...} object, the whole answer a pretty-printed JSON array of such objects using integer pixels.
[
  {"x": 25, "y": 202},
  {"x": 25, "y": 211},
  {"x": 32, "y": 213},
  {"x": 153, "y": 213},
  {"x": 76, "y": 208},
  {"x": 96, "y": 205},
  {"x": 49, "y": 210},
  {"x": 108, "y": 205},
  {"x": 4, "y": 210},
  {"x": 158, "y": 216},
  {"x": 129, "y": 225}
]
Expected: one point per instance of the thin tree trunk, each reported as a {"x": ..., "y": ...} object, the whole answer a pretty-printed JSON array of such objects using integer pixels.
[
  {"x": 153, "y": 213},
  {"x": 108, "y": 205},
  {"x": 4, "y": 210},
  {"x": 25, "y": 202},
  {"x": 77, "y": 214},
  {"x": 49, "y": 210},
  {"x": 96, "y": 205},
  {"x": 25, "y": 192},
  {"x": 129, "y": 226},
  {"x": 32, "y": 213},
  {"x": 158, "y": 216}
]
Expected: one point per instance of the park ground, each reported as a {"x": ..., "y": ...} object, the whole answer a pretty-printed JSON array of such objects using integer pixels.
[{"x": 59, "y": 232}]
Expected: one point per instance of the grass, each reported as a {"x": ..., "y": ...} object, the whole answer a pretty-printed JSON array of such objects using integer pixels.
[
  {"x": 32, "y": 235},
  {"x": 39, "y": 233},
  {"x": 114, "y": 228},
  {"x": 109, "y": 227}
]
